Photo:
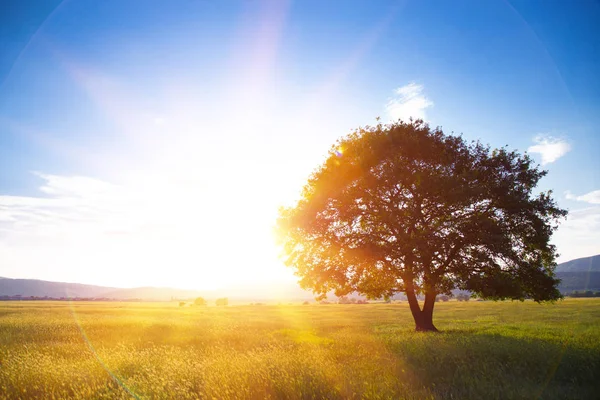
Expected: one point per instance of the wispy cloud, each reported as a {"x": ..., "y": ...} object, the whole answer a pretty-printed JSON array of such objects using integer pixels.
[
  {"x": 550, "y": 148},
  {"x": 579, "y": 235},
  {"x": 147, "y": 230},
  {"x": 78, "y": 205},
  {"x": 592, "y": 197},
  {"x": 409, "y": 101}
]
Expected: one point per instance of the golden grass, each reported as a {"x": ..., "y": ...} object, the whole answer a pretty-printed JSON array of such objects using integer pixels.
[{"x": 161, "y": 351}]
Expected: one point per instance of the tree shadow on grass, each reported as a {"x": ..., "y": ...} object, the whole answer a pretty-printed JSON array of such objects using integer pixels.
[{"x": 459, "y": 364}]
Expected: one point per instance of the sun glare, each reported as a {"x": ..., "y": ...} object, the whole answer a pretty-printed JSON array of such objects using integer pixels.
[{"x": 194, "y": 202}]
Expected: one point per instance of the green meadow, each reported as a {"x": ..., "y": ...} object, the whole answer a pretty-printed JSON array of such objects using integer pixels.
[{"x": 487, "y": 350}]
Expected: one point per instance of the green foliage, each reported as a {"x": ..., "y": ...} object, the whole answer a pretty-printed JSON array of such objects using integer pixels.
[
  {"x": 406, "y": 208},
  {"x": 514, "y": 350},
  {"x": 199, "y": 301}
]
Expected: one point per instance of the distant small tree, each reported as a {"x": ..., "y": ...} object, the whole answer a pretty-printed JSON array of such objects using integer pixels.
[
  {"x": 199, "y": 301},
  {"x": 306, "y": 302},
  {"x": 223, "y": 301},
  {"x": 181, "y": 303},
  {"x": 444, "y": 297}
]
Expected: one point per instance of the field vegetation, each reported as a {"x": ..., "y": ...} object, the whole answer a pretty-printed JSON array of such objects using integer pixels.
[{"x": 491, "y": 350}]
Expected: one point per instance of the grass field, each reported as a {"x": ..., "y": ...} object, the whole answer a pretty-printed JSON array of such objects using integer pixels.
[{"x": 487, "y": 350}]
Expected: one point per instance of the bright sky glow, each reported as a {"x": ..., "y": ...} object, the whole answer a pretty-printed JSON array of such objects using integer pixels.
[{"x": 151, "y": 143}]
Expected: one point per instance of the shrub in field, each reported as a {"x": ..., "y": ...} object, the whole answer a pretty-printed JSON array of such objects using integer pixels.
[
  {"x": 463, "y": 297},
  {"x": 223, "y": 301},
  {"x": 346, "y": 300},
  {"x": 200, "y": 301}
]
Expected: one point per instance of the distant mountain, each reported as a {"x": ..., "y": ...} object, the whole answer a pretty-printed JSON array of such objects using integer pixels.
[
  {"x": 153, "y": 293},
  {"x": 264, "y": 292},
  {"x": 585, "y": 264},
  {"x": 35, "y": 287},
  {"x": 579, "y": 274},
  {"x": 39, "y": 288},
  {"x": 578, "y": 281}
]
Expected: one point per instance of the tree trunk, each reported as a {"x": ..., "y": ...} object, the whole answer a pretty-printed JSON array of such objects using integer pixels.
[
  {"x": 423, "y": 318},
  {"x": 427, "y": 313}
]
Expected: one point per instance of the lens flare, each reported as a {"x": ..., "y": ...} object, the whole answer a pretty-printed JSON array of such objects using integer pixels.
[{"x": 93, "y": 350}]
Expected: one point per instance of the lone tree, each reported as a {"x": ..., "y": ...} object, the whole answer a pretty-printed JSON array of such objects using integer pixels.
[{"x": 405, "y": 208}]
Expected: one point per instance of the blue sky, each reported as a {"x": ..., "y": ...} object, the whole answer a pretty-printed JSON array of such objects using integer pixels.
[{"x": 142, "y": 141}]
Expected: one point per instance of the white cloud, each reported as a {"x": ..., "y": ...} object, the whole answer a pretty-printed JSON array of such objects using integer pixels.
[
  {"x": 579, "y": 235},
  {"x": 408, "y": 102},
  {"x": 150, "y": 230},
  {"x": 161, "y": 232},
  {"x": 550, "y": 148},
  {"x": 77, "y": 186},
  {"x": 592, "y": 197}
]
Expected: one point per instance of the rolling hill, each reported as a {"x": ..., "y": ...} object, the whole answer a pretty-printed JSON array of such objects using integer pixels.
[
  {"x": 579, "y": 274},
  {"x": 39, "y": 288},
  {"x": 585, "y": 264}
]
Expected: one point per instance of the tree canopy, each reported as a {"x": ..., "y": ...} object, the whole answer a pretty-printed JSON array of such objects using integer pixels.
[{"x": 405, "y": 208}]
